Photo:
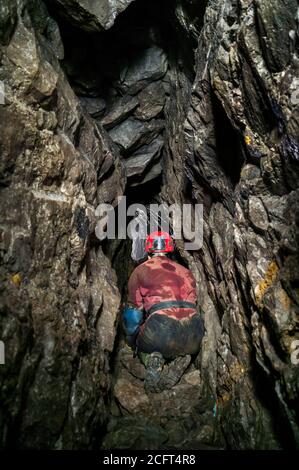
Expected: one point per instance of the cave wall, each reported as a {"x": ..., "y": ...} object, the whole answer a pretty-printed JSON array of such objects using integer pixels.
[
  {"x": 59, "y": 300},
  {"x": 228, "y": 118},
  {"x": 235, "y": 151},
  {"x": 121, "y": 80}
]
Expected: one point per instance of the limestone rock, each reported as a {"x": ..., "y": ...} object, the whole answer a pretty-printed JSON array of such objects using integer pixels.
[
  {"x": 280, "y": 16},
  {"x": 130, "y": 433},
  {"x": 129, "y": 395},
  {"x": 8, "y": 20},
  {"x": 242, "y": 265},
  {"x": 257, "y": 213}
]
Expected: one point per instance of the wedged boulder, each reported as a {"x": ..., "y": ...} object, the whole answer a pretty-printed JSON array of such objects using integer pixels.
[
  {"x": 150, "y": 65},
  {"x": 130, "y": 394},
  {"x": 131, "y": 363},
  {"x": 94, "y": 15},
  {"x": 151, "y": 101},
  {"x": 119, "y": 111},
  {"x": 151, "y": 174},
  {"x": 137, "y": 164},
  {"x": 132, "y": 133},
  {"x": 93, "y": 106},
  {"x": 160, "y": 407}
]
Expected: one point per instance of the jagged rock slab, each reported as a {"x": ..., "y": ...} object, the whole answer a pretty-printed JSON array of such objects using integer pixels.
[
  {"x": 94, "y": 15},
  {"x": 133, "y": 133},
  {"x": 151, "y": 174},
  {"x": 150, "y": 65},
  {"x": 119, "y": 111},
  {"x": 93, "y": 106},
  {"x": 136, "y": 164},
  {"x": 130, "y": 394},
  {"x": 151, "y": 101}
]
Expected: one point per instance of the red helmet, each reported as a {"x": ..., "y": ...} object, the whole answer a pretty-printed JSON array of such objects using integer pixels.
[{"x": 159, "y": 242}]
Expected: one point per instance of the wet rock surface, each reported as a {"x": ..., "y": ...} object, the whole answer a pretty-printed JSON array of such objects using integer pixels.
[{"x": 107, "y": 97}]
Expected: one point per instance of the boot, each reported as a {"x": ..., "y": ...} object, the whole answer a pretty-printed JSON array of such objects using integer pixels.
[
  {"x": 174, "y": 372},
  {"x": 154, "y": 365}
]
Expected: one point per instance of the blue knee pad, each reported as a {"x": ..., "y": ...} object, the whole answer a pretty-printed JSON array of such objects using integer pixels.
[{"x": 132, "y": 319}]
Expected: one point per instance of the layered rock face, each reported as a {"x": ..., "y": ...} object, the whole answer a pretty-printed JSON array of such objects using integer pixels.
[
  {"x": 204, "y": 96},
  {"x": 59, "y": 300},
  {"x": 92, "y": 15},
  {"x": 121, "y": 80},
  {"x": 238, "y": 148}
]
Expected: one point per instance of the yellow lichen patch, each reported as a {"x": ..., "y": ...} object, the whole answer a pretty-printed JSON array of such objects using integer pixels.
[
  {"x": 266, "y": 282},
  {"x": 235, "y": 375},
  {"x": 237, "y": 371},
  {"x": 247, "y": 139},
  {"x": 16, "y": 279},
  {"x": 222, "y": 399}
]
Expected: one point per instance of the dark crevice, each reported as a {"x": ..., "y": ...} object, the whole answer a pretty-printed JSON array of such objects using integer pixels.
[{"x": 228, "y": 144}]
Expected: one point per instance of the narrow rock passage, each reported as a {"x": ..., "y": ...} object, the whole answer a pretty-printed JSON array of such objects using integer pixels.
[
  {"x": 173, "y": 419},
  {"x": 181, "y": 101}
]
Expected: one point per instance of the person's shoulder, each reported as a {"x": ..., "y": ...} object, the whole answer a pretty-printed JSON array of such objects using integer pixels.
[
  {"x": 180, "y": 267},
  {"x": 142, "y": 265},
  {"x": 169, "y": 263}
]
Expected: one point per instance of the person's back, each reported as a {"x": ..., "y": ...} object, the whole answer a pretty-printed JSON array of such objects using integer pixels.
[{"x": 160, "y": 279}]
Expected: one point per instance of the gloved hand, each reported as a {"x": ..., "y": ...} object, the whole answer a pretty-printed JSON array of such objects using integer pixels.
[{"x": 132, "y": 319}]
